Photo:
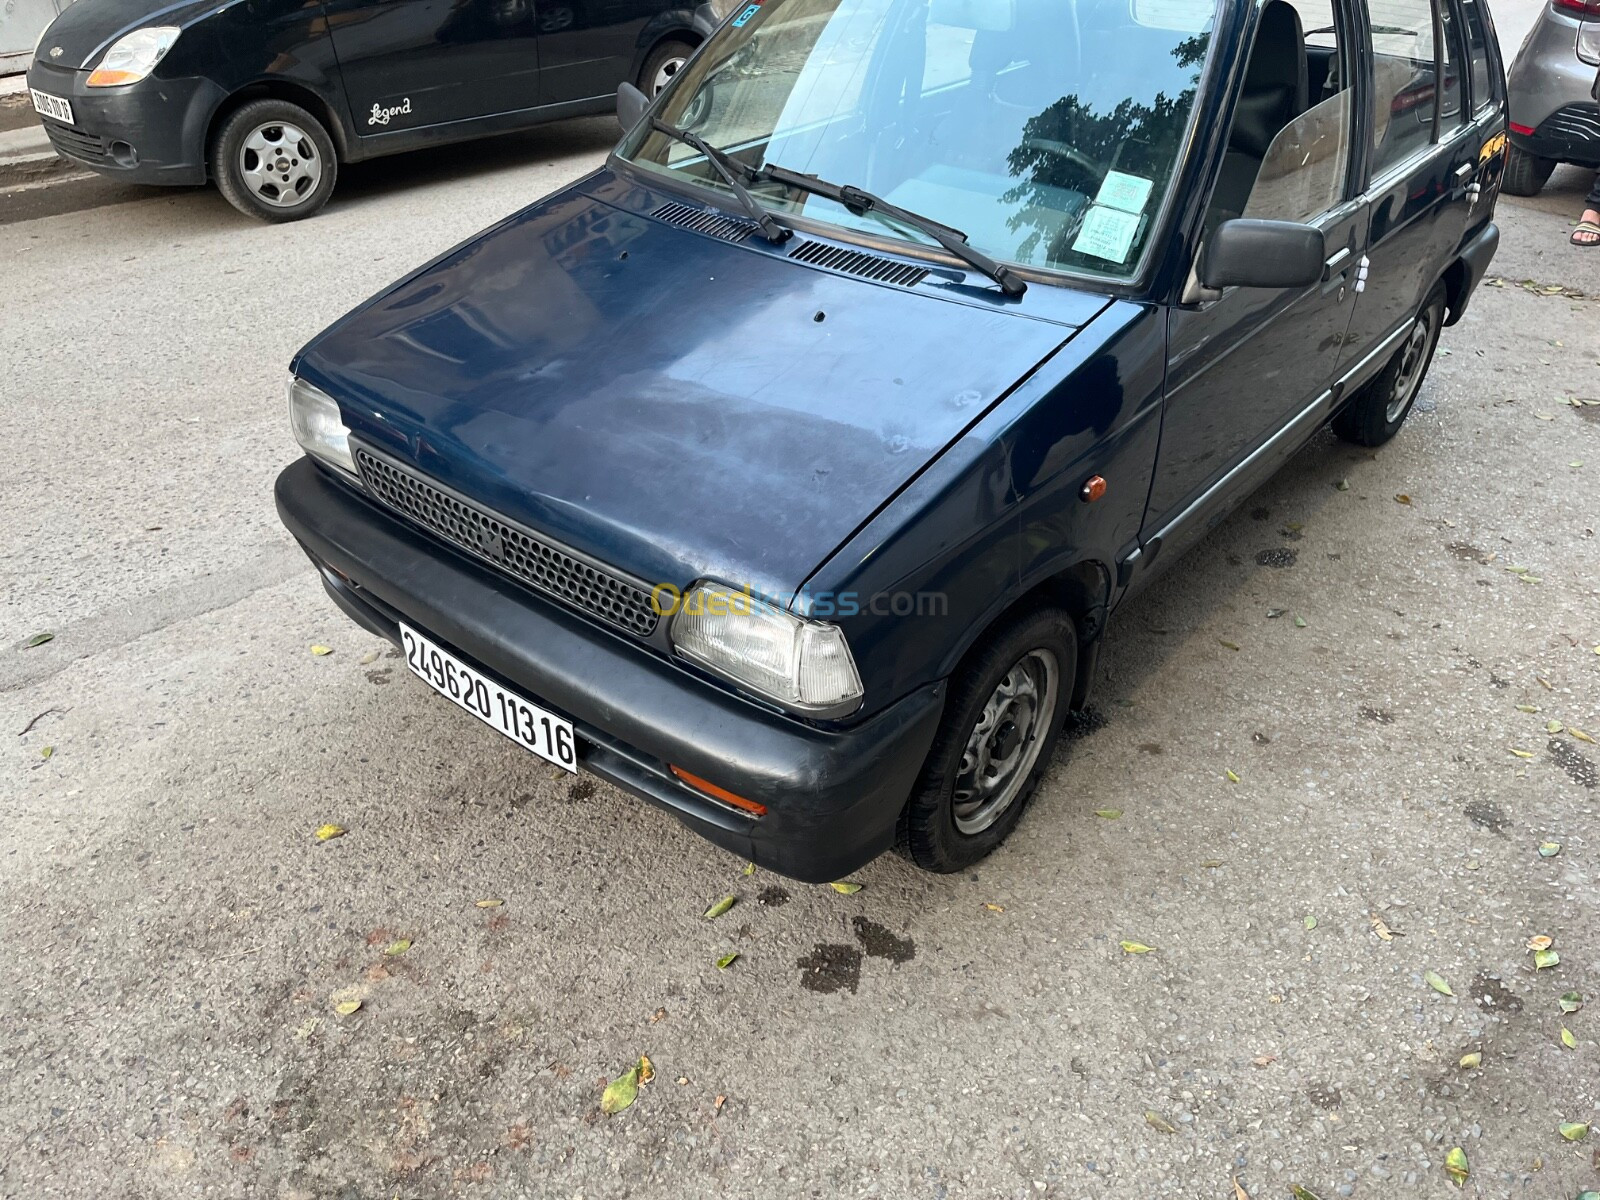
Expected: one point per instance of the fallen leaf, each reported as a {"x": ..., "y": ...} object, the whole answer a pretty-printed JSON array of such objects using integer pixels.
[
  {"x": 345, "y": 1007},
  {"x": 1342, "y": 486},
  {"x": 1110, "y": 814},
  {"x": 660, "y": 1014},
  {"x": 1227, "y": 645},
  {"x": 1402, "y": 498},
  {"x": 1545, "y": 683},
  {"x": 491, "y": 903},
  {"x": 1383, "y": 931},
  {"x": 1264, "y": 1060},
  {"x": 1455, "y": 1166},
  {"x": 1299, "y": 621},
  {"x": 720, "y": 907},
  {"x": 1528, "y": 708},
  {"x": 1238, "y": 1190},
  {"x": 1211, "y": 864},
  {"x": 1522, "y": 753},
  {"x": 396, "y": 948},
  {"x": 1274, "y": 613},
  {"x": 1311, "y": 922},
  {"x": 370, "y": 657},
  {"x": 727, "y": 960},
  {"x": 1574, "y": 1131},
  {"x": 1545, "y": 958},
  {"x": 1472, "y": 1061},
  {"x": 39, "y": 639},
  {"x": 319, "y": 651},
  {"x": 47, "y": 752},
  {"x": 1549, "y": 849},
  {"x": 1544, "y": 416},
  {"x": 1437, "y": 983},
  {"x": 1302, "y": 1193},
  {"x": 1571, "y": 1002},
  {"x": 1581, "y": 735},
  {"x": 749, "y": 868},
  {"x": 1567, "y": 1039},
  {"x": 1230, "y": 776},
  {"x": 846, "y": 888},
  {"x": 647, "y": 1070},
  {"x": 1542, "y": 942},
  {"x": 1156, "y": 1121},
  {"x": 719, "y": 1102},
  {"x": 1135, "y": 947},
  {"x": 994, "y": 908},
  {"x": 326, "y": 833},
  {"x": 1554, "y": 727},
  {"x": 620, "y": 1092},
  {"x": 1473, "y": 864}
]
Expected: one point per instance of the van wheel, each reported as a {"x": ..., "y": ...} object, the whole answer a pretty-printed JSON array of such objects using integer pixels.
[
  {"x": 275, "y": 161},
  {"x": 663, "y": 65},
  {"x": 1004, "y": 713},
  {"x": 1376, "y": 412},
  {"x": 1525, "y": 173}
]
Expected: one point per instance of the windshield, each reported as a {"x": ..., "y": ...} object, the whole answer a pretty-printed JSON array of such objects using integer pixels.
[{"x": 1046, "y": 130}]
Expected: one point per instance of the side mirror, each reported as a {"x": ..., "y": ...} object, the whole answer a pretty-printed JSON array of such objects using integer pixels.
[
  {"x": 1262, "y": 254},
  {"x": 631, "y": 103}
]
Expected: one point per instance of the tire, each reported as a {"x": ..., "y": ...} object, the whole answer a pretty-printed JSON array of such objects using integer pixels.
[
  {"x": 308, "y": 158},
  {"x": 663, "y": 65},
  {"x": 947, "y": 824},
  {"x": 1376, "y": 412},
  {"x": 1525, "y": 174}
]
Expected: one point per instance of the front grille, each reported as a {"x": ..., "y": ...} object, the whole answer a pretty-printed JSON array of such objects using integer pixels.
[
  {"x": 75, "y": 142},
  {"x": 703, "y": 220},
  {"x": 854, "y": 262},
  {"x": 523, "y": 555}
]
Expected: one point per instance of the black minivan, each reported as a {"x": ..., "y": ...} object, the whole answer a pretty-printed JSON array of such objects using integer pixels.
[
  {"x": 786, "y": 470},
  {"x": 268, "y": 97}
]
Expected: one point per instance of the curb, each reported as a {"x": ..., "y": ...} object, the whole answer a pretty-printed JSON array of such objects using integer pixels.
[{"x": 36, "y": 167}]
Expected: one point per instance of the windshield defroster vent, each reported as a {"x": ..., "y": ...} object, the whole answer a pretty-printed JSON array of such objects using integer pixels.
[
  {"x": 854, "y": 262},
  {"x": 704, "y": 220}
]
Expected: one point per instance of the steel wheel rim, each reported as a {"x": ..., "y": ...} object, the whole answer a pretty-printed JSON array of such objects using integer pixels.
[
  {"x": 1003, "y": 747},
  {"x": 665, "y": 74},
  {"x": 280, "y": 164},
  {"x": 1409, "y": 378}
]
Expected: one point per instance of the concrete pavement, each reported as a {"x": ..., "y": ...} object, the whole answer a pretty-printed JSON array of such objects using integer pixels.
[{"x": 177, "y": 942}]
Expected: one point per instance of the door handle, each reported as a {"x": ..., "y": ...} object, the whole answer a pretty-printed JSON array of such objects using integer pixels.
[
  {"x": 1335, "y": 264},
  {"x": 1463, "y": 171}
]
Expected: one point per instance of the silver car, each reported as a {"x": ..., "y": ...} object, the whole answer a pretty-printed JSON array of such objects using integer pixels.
[{"x": 1554, "y": 116}]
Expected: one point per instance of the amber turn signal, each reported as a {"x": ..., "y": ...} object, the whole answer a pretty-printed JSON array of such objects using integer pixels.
[
  {"x": 722, "y": 794},
  {"x": 1093, "y": 489}
]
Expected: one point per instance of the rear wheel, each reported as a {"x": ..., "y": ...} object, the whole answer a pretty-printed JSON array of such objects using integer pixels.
[
  {"x": 1001, "y": 721},
  {"x": 1376, "y": 412},
  {"x": 274, "y": 161},
  {"x": 1525, "y": 173},
  {"x": 663, "y": 65}
]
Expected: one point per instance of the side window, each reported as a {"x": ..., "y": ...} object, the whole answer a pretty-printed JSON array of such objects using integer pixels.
[
  {"x": 1288, "y": 151},
  {"x": 1478, "y": 55},
  {"x": 1408, "y": 82}
]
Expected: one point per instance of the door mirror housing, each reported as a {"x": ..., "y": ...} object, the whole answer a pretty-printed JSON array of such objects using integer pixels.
[
  {"x": 631, "y": 103},
  {"x": 1262, "y": 254}
]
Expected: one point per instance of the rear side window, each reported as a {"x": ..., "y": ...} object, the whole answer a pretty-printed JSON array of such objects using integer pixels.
[
  {"x": 1478, "y": 54},
  {"x": 1407, "y": 82}
]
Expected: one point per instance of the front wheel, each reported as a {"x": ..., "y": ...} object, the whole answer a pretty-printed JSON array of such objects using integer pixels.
[
  {"x": 1376, "y": 412},
  {"x": 274, "y": 161},
  {"x": 1001, "y": 722}
]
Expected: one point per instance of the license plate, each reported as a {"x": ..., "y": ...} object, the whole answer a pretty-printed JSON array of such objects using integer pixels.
[
  {"x": 53, "y": 107},
  {"x": 524, "y": 722}
]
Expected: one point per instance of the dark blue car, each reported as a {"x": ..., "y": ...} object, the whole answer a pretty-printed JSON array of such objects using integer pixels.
[{"x": 786, "y": 471}]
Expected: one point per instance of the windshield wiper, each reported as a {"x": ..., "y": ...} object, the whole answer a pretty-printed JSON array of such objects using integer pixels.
[
  {"x": 730, "y": 169},
  {"x": 860, "y": 202}
]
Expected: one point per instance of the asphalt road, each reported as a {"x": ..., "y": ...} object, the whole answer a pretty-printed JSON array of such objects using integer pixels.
[{"x": 175, "y": 940}]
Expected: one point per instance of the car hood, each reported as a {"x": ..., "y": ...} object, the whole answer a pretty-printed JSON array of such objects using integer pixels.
[
  {"x": 669, "y": 403},
  {"x": 86, "y": 28}
]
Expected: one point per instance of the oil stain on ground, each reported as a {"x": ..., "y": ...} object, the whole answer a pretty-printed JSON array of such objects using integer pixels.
[
  {"x": 1491, "y": 995},
  {"x": 880, "y": 943},
  {"x": 1578, "y": 768},
  {"x": 1278, "y": 556},
  {"x": 830, "y": 968},
  {"x": 581, "y": 790},
  {"x": 773, "y": 896},
  {"x": 1488, "y": 815}
]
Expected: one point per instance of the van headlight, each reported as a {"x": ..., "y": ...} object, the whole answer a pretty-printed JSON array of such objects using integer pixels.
[
  {"x": 803, "y": 665},
  {"x": 133, "y": 56},
  {"x": 318, "y": 427}
]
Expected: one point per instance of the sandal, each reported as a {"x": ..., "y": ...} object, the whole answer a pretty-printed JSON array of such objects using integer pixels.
[{"x": 1586, "y": 227}]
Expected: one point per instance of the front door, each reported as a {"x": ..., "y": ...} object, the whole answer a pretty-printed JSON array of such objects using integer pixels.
[
  {"x": 587, "y": 47},
  {"x": 1248, "y": 370},
  {"x": 407, "y": 64}
]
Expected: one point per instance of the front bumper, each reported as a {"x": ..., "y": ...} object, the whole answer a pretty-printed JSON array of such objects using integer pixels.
[
  {"x": 153, "y": 131},
  {"x": 833, "y": 796}
]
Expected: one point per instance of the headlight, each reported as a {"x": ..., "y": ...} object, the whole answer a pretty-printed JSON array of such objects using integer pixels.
[
  {"x": 803, "y": 665},
  {"x": 134, "y": 56},
  {"x": 318, "y": 427}
]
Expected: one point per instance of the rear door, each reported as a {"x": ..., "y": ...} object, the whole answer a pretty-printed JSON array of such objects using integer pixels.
[
  {"x": 588, "y": 47},
  {"x": 408, "y": 64},
  {"x": 1421, "y": 164}
]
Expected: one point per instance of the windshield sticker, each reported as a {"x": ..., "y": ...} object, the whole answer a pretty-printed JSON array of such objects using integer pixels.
[
  {"x": 1106, "y": 233},
  {"x": 743, "y": 19},
  {"x": 1125, "y": 192}
]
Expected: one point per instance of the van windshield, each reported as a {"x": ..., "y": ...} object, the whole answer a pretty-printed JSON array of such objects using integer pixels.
[{"x": 1047, "y": 130}]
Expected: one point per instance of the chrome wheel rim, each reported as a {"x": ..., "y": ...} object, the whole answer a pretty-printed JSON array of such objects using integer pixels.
[
  {"x": 1413, "y": 356},
  {"x": 280, "y": 164},
  {"x": 665, "y": 74},
  {"x": 1004, "y": 745}
]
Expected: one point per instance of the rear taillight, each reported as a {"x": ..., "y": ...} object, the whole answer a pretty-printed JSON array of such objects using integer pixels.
[{"x": 1577, "y": 8}]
